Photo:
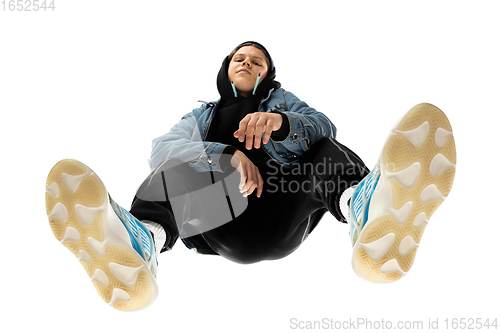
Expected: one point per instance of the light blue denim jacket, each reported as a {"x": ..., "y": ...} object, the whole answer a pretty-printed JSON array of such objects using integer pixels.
[{"x": 186, "y": 140}]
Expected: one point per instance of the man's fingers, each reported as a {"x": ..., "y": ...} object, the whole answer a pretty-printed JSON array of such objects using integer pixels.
[
  {"x": 251, "y": 185},
  {"x": 242, "y": 181},
  {"x": 250, "y": 132},
  {"x": 260, "y": 127},
  {"x": 243, "y": 128},
  {"x": 261, "y": 186},
  {"x": 248, "y": 179},
  {"x": 256, "y": 183},
  {"x": 267, "y": 135},
  {"x": 257, "y": 128},
  {"x": 242, "y": 175}
]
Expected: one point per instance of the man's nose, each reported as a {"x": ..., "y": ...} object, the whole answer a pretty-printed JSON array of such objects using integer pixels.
[{"x": 247, "y": 62}]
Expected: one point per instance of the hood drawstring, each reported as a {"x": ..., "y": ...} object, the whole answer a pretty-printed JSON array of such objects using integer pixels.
[
  {"x": 234, "y": 90},
  {"x": 256, "y": 84}
]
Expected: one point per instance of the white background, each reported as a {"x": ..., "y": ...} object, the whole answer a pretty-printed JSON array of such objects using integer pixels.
[{"x": 98, "y": 80}]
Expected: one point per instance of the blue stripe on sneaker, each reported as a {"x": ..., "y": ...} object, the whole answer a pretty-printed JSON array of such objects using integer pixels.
[
  {"x": 139, "y": 237},
  {"x": 361, "y": 200}
]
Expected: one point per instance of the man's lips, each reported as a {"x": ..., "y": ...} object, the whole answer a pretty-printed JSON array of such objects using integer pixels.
[{"x": 243, "y": 71}]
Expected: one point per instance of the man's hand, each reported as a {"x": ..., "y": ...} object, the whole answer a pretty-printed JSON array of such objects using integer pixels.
[
  {"x": 250, "y": 178},
  {"x": 254, "y": 124}
]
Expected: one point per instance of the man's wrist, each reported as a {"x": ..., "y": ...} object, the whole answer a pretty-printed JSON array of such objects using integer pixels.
[
  {"x": 284, "y": 130},
  {"x": 226, "y": 157}
]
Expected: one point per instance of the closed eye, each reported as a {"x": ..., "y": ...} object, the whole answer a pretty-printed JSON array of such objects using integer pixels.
[{"x": 240, "y": 60}]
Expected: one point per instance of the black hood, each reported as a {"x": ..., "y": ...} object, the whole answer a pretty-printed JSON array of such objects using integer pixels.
[{"x": 226, "y": 91}]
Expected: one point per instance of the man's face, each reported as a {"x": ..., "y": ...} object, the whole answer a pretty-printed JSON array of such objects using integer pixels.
[{"x": 245, "y": 67}]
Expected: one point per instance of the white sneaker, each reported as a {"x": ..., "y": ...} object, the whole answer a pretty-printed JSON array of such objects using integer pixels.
[
  {"x": 391, "y": 207},
  {"x": 116, "y": 249}
]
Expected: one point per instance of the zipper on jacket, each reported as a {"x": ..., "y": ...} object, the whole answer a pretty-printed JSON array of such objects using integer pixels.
[
  {"x": 205, "y": 137},
  {"x": 210, "y": 122},
  {"x": 269, "y": 95}
]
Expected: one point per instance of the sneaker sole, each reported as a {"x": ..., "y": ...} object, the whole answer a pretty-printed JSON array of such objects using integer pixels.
[
  {"x": 417, "y": 166},
  {"x": 83, "y": 220}
]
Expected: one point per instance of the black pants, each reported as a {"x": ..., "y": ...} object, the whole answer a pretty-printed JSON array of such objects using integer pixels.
[{"x": 207, "y": 211}]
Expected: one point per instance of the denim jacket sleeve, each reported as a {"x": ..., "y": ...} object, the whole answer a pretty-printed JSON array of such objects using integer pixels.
[
  {"x": 307, "y": 126},
  {"x": 184, "y": 143}
]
